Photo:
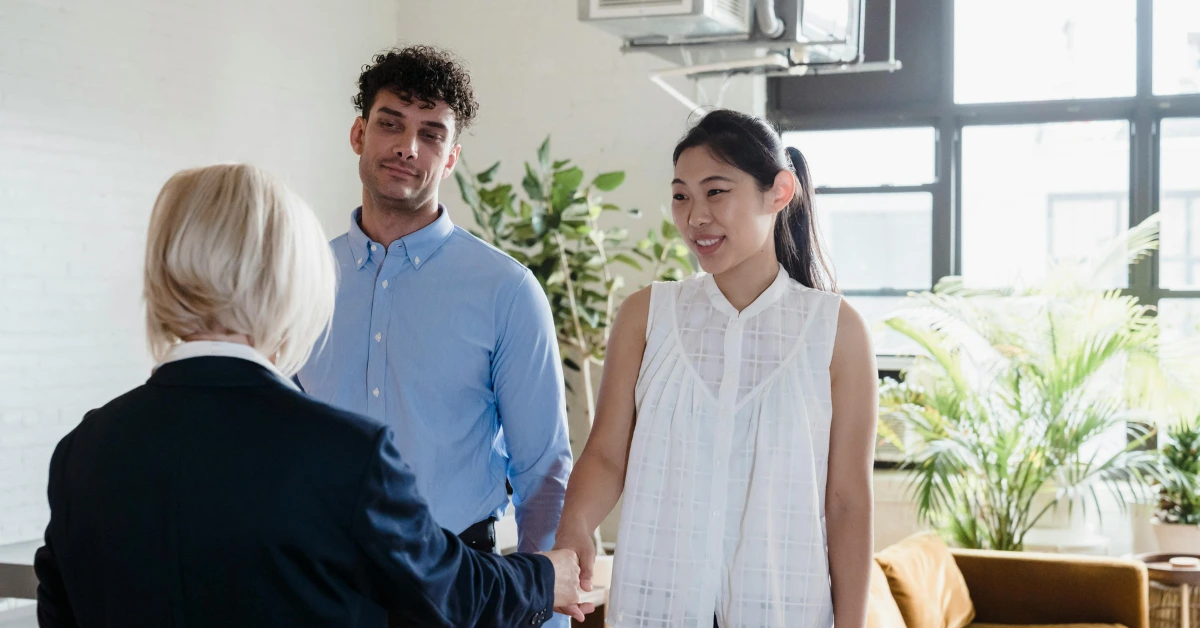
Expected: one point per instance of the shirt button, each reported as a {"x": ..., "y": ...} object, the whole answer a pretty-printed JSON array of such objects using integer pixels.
[
  {"x": 416, "y": 260},
  {"x": 376, "y": 393},
  {"x": 378, "y": 337},
  {"x": 716, "y": 513},
  {"x": 359, "y": 261},
  {"x": 374, "y": 248},
  {"x": 385, "y": 283}
]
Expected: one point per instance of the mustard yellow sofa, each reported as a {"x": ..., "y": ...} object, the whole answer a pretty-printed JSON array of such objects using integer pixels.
[{"x": 921, "y": 583}]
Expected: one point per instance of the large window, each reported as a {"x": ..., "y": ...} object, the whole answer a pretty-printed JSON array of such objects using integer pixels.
[
  {"x": 1179, "y": 202},
  {"x": 874, "y": 207},
  {"x": 1026, "y": 50},
  {"x": 1020, "y": 135},
  {"x": 1176, "y": 47},
  {"x": 867, "y": 157}
]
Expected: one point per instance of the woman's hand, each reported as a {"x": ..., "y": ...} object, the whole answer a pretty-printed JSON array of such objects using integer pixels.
[{"x": 575, "y": 536}]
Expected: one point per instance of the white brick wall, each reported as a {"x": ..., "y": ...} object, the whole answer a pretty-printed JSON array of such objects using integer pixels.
[{"x": 99, "y": 103}]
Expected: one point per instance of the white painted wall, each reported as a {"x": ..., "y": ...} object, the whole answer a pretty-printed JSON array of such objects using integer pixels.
[{"x": 99, "y": 103}]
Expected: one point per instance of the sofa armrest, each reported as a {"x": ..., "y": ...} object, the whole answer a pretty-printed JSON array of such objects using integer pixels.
[{"x": 1032, "y": 588}]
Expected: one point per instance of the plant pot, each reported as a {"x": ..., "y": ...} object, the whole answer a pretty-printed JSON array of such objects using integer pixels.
[{"x": 1176, "y": 538}]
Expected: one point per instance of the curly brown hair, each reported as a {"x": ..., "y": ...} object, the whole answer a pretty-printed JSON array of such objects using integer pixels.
[{"x": 419, "y": 73}]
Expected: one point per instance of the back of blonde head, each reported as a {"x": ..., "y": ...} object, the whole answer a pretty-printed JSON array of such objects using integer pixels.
[{"x": 232, "y": 251}]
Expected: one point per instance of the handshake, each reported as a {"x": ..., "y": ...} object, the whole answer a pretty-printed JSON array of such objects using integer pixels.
[
  {"x": 566, "y": 584},
  {"x": 574, "y": 558}
]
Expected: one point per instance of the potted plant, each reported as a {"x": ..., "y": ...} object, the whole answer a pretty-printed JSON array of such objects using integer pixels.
[
  {"x": 1177, "y": 522},
  {"x": 555, "y": 231},
  {"x": 1014, "y": 401}
]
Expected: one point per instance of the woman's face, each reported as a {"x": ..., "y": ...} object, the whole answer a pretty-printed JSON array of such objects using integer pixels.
[{"x": 722, "y": 214}]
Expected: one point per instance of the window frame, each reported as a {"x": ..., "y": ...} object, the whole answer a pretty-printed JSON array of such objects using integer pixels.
[{"x": 1144, "y": 111}]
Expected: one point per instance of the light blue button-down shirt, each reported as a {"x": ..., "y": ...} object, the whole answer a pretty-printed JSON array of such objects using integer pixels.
[{"x": 452, "y": 343}]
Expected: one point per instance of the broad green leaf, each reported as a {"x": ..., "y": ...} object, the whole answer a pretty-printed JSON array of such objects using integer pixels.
[
  {"x": 562, "y": 198},
  {"x": 560, "y": 163},
  {"x": 608, "y": 181},
  {"x": 627, "y": 260},
  {"x": 569, "y": 179},
  {"x": 669, "y": 231},
  {"x": 486, "y": 175},
  {"x": 470, "y": 195},
  {"x": 533, "y": 185},
  {"x": 556, "y": 277}
]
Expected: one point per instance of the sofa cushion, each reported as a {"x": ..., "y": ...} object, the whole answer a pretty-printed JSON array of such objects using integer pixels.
[
  {"x": 926, "y": 583},
  {"x": 882, "y": 611},
  {"x": 1046, "y": 626}
]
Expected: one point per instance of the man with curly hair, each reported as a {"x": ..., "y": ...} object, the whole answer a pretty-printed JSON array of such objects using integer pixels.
[{"x": 445, "y": 338}]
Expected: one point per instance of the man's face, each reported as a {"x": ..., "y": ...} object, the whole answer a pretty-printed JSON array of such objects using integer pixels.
[{"x": 405, "y": 149}]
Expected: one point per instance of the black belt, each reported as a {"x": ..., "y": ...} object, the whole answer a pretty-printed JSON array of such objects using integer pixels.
[{"x": 481, "y": 536}]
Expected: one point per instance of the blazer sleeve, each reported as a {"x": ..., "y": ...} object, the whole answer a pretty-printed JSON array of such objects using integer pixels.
[
  {"x": 53, "y": 608},
  {"x": 425, "y": 575}
]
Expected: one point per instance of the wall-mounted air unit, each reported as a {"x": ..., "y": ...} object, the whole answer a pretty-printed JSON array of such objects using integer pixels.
[{"x": 668, "y": 21}]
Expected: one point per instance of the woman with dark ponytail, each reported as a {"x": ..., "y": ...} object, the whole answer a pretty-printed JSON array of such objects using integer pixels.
[{"x": 736, "y": 411}]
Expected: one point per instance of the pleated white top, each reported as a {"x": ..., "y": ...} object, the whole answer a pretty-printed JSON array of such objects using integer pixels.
[{"x": 725, "y": 490}]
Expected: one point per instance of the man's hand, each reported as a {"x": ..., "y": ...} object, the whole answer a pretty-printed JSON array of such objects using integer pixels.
[{"x": 566, "y": 584}]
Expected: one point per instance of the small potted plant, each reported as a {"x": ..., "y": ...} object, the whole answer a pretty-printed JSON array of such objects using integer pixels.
[{"x": 1177, "y": 521}]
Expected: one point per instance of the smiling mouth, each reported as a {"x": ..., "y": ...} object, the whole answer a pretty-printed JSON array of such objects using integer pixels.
[
  {"x": 708, "y": 244},
  {"x": 398, "y": 170}
]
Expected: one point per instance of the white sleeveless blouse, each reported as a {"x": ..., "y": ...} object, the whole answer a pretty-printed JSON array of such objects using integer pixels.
[{"x": 725, "y": 491}]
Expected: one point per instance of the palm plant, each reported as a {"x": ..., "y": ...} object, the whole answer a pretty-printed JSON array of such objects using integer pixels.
[{"x": 1019, "y": 389}]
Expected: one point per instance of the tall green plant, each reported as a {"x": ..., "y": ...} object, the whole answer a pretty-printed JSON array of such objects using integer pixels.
[
  {"x": 555, "y": 231},
  {"x": 1179, "y": 488},
  {"x": 1018, "y": 388}
]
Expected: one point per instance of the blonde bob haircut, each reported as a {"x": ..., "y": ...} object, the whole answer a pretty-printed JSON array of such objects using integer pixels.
[{"x": 232, "y": 251}]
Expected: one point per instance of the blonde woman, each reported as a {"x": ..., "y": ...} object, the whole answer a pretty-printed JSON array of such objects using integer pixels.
[{"x": 219, "y": 495}]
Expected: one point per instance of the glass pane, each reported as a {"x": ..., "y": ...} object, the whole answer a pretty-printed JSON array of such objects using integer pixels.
[
  {"x": 878, "y": 241},
  {"x": 1176, "y": 46},
  {"x": 1041, "y": 193},
  {"x": 1179, "y": 318},
  {"x": 867, "y": 157},
  {"x": 1026, "y": 50},
  {"x": 885, "y": 340},
  {"x": 1179, "y": 202}
]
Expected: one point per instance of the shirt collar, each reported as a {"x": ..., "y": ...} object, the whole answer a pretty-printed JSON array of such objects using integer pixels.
[
  {"x": 211, "y": 348},
  {"x": 418, "y": 246}
]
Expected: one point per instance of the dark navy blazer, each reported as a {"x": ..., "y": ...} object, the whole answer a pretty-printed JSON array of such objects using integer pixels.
[{"x": 216, "y": 495}]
